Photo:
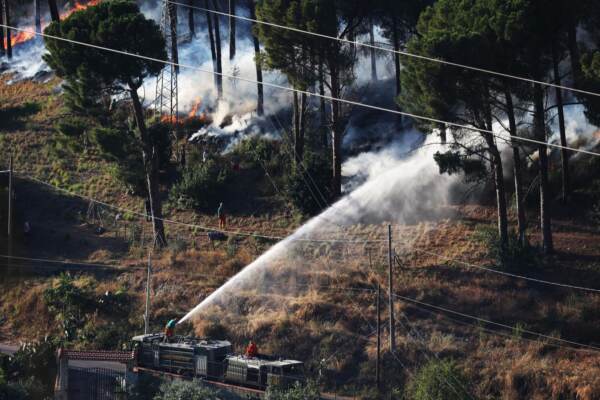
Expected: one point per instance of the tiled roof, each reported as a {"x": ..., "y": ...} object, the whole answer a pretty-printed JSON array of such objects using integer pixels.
[{"x": 97, "y": 355}]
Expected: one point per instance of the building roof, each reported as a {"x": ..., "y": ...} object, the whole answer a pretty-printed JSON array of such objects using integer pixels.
[{"x": 97, "y": 355}]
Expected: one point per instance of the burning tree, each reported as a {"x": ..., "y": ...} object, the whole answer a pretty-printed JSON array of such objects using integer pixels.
[{"x": 117, "y": 25}]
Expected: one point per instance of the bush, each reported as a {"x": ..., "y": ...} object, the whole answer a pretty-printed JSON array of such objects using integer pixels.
[
  {"x": 310, "y": 391},
  {"x": 201, "y": 185},
  {"x": 32, "y": 370},
  {"x": 308, "y": 187},
  {"x": 514, "y": 257},
  {"x": 184, "y": 390},
  {"x": 259, "y": 152},
  {"x": 438, "y": 380}
]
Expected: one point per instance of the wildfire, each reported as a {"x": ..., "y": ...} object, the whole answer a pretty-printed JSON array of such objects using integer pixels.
[
  {"x": 19, "y": 37},
  {"x": 195, "y": 108}
]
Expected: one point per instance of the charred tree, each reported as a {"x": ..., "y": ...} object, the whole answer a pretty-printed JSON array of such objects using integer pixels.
[
  {"x": 38, "y": 17},
  {"x": 53, "y": 11},
  {"x": 211, "y": 37},
  {"x": 2, "y": 50},
  {"x": 443, "y": 133},
  {"x": 191, "y": 22},
  {"x": 219, "y": 64},
  {"x": 373, "y": 54},
  {"x": 323, "y": 106},
  {"x": 7, "y": 31},
  {"x": 260, "y": 102},
  {"x": 564, "y": 154},
  {"x": 231, "y": 29}
]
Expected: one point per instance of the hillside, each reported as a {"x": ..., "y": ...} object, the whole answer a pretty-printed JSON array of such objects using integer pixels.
[{"x": 334, "y": 325}]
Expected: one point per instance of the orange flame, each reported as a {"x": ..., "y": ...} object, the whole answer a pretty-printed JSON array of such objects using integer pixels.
[
  {"x": 19, "y": 37},
  {"x": 195, "y": 108}
]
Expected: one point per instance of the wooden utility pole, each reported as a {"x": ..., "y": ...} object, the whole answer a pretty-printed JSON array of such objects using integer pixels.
[
  {"x": 147, "y": 313},
  {"x": 10, "y": 210},
  {"x": 391, "y": 292},
  {"x": 377, "y": 365}
]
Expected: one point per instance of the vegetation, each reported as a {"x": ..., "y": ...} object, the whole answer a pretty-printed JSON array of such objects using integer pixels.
[
  {"x": 438, "y": 380},
  {"x": 185, "y": 390},
  {"x": 308, "y": 391},
  {"x": 531, "y": 206}
]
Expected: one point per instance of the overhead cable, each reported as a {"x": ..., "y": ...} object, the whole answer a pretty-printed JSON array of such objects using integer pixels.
[
  {"x": 396, "y": 52},
  {"x": 308, "y": 93}
]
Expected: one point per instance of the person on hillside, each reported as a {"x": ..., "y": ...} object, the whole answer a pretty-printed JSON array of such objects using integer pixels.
[
  {"x": 251, "y": 350},
  {"x": 221, "y": 216},
  {"x": 170, "y": 330}
]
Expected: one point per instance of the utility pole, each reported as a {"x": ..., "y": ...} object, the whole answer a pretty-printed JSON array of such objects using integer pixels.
[
  {"x": 10, "y": 209},
  {"x": 391, "y": 291},
  {"x": 377, "y": 365},
  {"x": 147, "y": 313},
  {"x": 10, "y": 190}
]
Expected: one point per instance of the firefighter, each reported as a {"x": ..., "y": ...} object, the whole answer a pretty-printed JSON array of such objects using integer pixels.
[
  {"x": 221, "y": 216},
  {"x": 251, "y": 350},
  {"x": 170, "y": 330}
]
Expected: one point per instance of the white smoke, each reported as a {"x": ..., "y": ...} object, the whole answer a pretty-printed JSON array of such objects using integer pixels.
[{"x": 400, "y": 187}]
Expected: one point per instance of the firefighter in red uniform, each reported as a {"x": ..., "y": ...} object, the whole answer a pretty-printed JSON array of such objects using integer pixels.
[{"x": 251, "y": 350}]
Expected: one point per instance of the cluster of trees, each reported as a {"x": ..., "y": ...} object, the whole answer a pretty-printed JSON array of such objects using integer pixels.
[{"x": 529, "y": 38}]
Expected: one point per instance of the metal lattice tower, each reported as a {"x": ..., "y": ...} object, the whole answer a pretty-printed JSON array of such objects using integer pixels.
[{"x": 166, "y": 100}]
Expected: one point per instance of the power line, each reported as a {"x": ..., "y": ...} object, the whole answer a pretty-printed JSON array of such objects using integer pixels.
[
  {"x": 582, "y": 346},
  {"x": 311, "y": 94},
  {"x": 206, "y": 228},
  {"x": 66, "y": 262},
  {"x": 545, "y": 282},
  {"x": 397, "y": 52}
]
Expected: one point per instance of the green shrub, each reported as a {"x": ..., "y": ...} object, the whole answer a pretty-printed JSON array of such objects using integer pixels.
[
  {"x": 259, "y": 152},
  {"x": 438, "y": 380},
  {"x": 185, "y": 390},
  {"x": 308, "y": 187},
  {"x": 201, "y": 185},
  {"x": 513, "y": 257},
  {"x": 310, "y": 391}
]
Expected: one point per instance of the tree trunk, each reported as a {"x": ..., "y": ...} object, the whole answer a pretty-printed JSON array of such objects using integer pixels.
[
  {"x": 2, "y": 51},
  {"x": 53, "y": 11},
  {"x": 217, "y": 24},
  {"x": 191, "y": 22},
  {"x": 498, "y": 171},
  {"x": 172, "y": 9},
  {"x": 260, "y": 103},
  {"x": 150, "y": 160},
  {"x": 396, "y": 40},
  {"x": 336, "y": 133},
  {"x": 564, "y": 154},
  {"x": 540, "y": 134},
  {"x": 574, "y": 52},
  {"x": 373, "y": 54},
  {"x": 296, "y": 129},
  {"x": 517, "y": 171},
  {"x": 323, "y": 106},
  {"x": 301, "y": 132},
  {"x": 443, "y": 133},
  {"x": 231, "y": 29},
  {"x": 37, "y": 16},
  {"x": 7, "y": 32},
  {"x": 211, "y": 37}
]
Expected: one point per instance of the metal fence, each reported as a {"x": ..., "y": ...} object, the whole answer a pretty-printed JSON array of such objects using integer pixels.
[{"x": 96, "y": 384}]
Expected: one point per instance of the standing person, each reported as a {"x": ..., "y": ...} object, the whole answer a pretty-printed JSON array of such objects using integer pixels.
[
  {"x": 170, "y": 330},
  {"x": 251, "y": 350},
  {"x": 221, "y": 216}
]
